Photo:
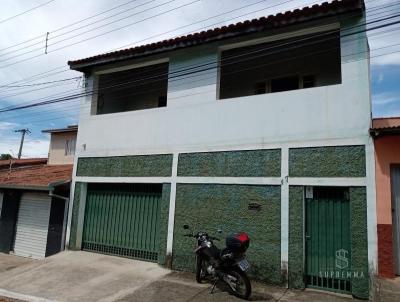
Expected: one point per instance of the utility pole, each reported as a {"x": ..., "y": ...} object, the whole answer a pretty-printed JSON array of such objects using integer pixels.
[{"x": 23, "y": 131}]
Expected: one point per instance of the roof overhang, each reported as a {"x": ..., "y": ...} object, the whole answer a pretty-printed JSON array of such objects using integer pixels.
[
  {"x": 377, "y": 132},
  {"x": 281, "y": 20},
  {"x": 22, "y": 187},
  {"x": 61, "y": 130}
]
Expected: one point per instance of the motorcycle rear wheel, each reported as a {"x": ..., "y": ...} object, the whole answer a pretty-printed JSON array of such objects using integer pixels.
[{"x": 242, "y": 287}]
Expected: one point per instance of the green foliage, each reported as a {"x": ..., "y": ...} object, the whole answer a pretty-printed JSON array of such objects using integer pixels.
[{"x": 5, "y": 156}]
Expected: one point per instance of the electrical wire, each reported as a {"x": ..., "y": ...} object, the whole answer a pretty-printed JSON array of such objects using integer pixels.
[
  {"x": 27, "y": 11},
  {"x": 374, "y": 8}
]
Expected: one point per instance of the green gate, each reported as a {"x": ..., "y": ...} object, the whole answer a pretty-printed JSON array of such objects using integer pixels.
[
  {"x": 122, "y": 223},
  {"x": 328, "y": 243}
]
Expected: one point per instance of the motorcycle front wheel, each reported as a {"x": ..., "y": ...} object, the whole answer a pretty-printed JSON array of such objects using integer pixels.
[
  {"x": 239, "y": 284},
  {"x": 200, "y": 271}
]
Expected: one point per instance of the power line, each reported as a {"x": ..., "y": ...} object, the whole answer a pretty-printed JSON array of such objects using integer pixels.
[
  {"x": 98, "y": 35},
  {"x": 239, "y": 8},
  {"x": 257, "y": 51},
  {"x": 374, "y": 8},
  {"x": 69, "y": 25},
  {"x": 39, "y": 84},
  {"x": 179, "y": 75},
  {"x": 75, "y": 29},
  {"x": 41, "y": 121},
  {"x": 27, "y": 11}
]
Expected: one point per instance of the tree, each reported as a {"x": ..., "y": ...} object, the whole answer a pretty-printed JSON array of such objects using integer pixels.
[{"x": 5, "y": 156}]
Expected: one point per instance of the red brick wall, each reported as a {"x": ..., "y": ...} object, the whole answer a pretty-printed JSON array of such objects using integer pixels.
[{"x": 385, "y": 251}]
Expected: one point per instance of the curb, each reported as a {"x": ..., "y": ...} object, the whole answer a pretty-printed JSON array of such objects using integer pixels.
[{"x": 13, "y": 295}]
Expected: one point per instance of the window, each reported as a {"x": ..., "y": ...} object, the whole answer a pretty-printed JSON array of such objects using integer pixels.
[
  {"x": 260, "y": 88},
  {"x": 70, "y": 145},
  {"x": 284, "y": 84},
  {"x": 133, "y": 89},
  {"x": 290, "y": 64},
  {"x": 308, "y": 81}
]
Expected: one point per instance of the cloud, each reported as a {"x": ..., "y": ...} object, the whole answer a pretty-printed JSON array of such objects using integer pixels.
[
  {"x": 383, "y": 99},
  {"x": 4, "y": 126},
  {"x": 31, "y": 148}
]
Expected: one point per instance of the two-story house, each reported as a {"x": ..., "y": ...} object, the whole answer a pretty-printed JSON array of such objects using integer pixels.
[
  {"x": 34, "y": 199},
  {"x": 260, "y": 126}
]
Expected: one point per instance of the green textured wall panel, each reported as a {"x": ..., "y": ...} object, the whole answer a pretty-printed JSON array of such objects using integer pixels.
[
  {"x": 166, "y": 192},
  {"x": 296, "y": 237},
  {"x": 359, "y": 237},
  {"x": 126, "y": 166},
  {"x": 74, "y": 217},
  {"x": 209, "y": 207},
  {"x": 251, "y": 163},
  {"x": 339, "y": 161}
]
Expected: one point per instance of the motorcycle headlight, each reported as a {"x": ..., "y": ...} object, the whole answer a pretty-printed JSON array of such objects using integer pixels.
[{"x": 208, "y": 244}]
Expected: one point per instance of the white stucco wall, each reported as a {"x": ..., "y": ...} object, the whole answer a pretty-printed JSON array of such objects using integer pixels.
[{"x": 196, "y": 120}]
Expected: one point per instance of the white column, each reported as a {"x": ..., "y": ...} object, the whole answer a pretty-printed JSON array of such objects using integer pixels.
[
  {"x": 371, "y": 206},
  {"x": 81, "y": 215},
  {"x": 284, "y": 209},
  {"x": 171, "y": 215}
]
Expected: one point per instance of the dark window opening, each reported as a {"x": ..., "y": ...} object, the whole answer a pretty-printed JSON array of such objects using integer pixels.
[
  {"x": 133, "y": 89},
  {"x": 308, "y": 81},
  {"x": 260, "y": 88},
  {"x": 285, "y": 84},
  {"x": 162, "y": 101},
  {"x": 290, "y": 64}
]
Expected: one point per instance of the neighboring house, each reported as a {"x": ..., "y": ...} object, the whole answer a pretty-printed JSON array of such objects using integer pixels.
[
  {"x": 34, "y": 199},
  {"x": 386, "y": 133},
  {"x": 62, "y": 145},
  {"x": 260, "y": 126}
]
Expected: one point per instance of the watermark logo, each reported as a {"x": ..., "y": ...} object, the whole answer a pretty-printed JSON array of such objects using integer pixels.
[{"x": 342, "y": 261}]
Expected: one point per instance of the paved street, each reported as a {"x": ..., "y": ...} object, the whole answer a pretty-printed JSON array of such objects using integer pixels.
[{"x": 81, "y": 276}]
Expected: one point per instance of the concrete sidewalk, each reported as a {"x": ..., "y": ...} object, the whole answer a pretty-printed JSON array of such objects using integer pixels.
[{"x": 80, "y": 276}]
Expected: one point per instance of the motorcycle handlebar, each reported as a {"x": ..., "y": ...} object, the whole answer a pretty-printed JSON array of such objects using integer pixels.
[{"x": 211, "y": 237}]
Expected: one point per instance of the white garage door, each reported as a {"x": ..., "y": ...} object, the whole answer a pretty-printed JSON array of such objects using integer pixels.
[{"x": 32, "y": 225}]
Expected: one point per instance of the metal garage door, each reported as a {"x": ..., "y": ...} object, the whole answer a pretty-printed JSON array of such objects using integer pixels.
[
  {"x": 32, "y": 225},
  {"x": 122, "y": 223},
  {"x": 395, "y": 180}
]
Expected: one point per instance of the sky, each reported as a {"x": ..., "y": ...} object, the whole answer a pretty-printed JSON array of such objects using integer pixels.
[{"x": 78, "y": 29}]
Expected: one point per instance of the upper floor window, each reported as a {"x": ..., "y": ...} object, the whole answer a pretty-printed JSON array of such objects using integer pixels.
[
  {"x": 133, "y": 89},
  {"x": 290, "y": 64},
  {"x": 70, "y": 145}
]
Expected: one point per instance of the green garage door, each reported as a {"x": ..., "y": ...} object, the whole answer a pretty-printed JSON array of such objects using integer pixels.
[{"x": 122, "y": 222}]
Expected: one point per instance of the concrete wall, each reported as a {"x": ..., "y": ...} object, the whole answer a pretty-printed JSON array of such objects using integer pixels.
[
  {"x": 196, "y": 119},
  {"x": 386, "y": 154},
  {"x": 57, "y": 148}
]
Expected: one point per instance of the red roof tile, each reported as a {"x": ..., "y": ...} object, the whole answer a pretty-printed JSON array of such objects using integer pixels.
[
  {"x": 233, "y": 30},
  {"x": 36, "y": 176},
  {"x": 386, "y": 123},
  {"x": 5, "y": 164}
]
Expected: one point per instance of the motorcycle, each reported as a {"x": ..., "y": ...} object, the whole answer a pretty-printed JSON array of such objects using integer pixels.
[{"x": 228, "y": 265}]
